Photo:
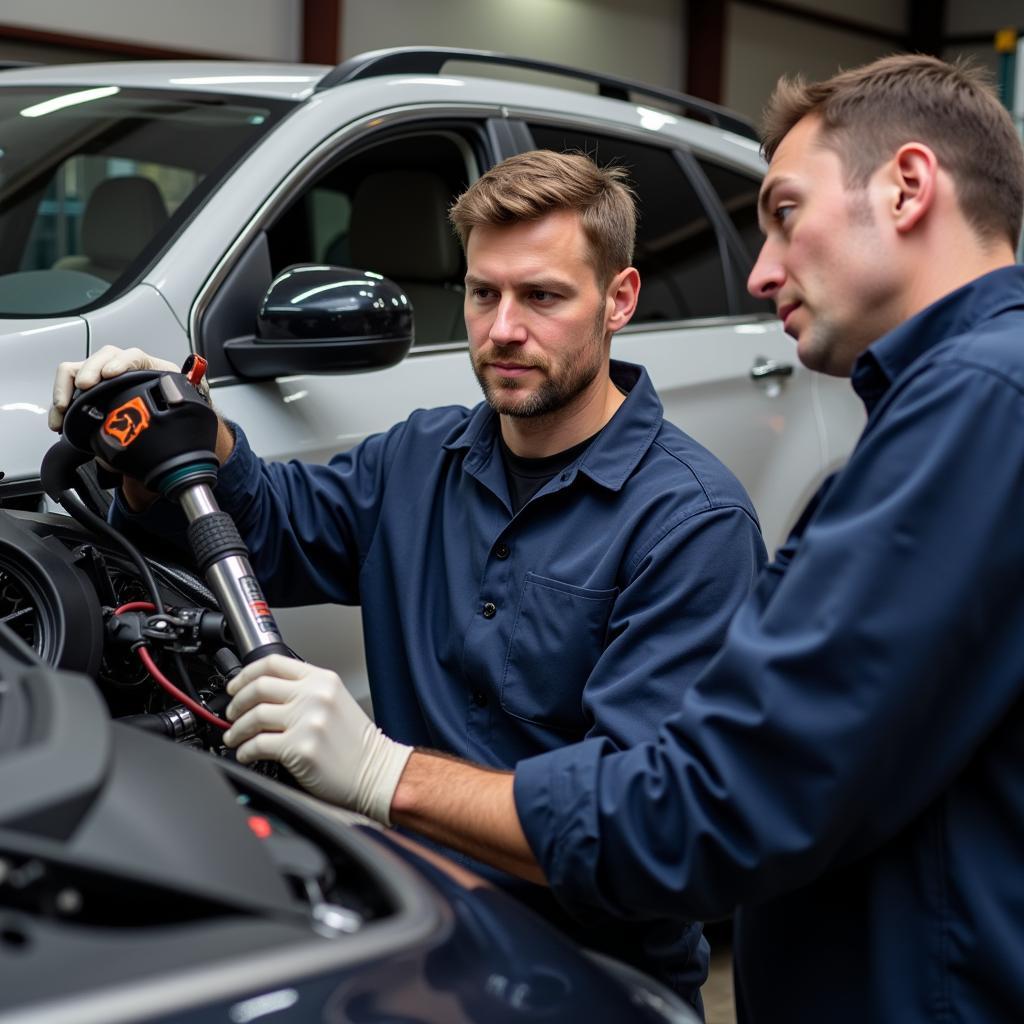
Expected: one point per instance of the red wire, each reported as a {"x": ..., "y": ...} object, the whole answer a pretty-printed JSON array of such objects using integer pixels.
[{"x": 154, "y": 670}]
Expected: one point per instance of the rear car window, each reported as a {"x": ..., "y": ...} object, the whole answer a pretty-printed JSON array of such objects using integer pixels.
[{"x": 677, "y": 247}]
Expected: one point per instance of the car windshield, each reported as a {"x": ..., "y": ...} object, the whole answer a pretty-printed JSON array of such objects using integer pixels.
[{"x": 94, "y": 182}]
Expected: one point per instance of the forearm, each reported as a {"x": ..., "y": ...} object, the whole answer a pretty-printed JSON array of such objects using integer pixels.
[{"x": 466, "y": 807}]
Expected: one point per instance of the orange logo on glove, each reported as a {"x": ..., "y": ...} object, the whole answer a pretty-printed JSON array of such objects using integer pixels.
[{"x": 127, "y": 421}]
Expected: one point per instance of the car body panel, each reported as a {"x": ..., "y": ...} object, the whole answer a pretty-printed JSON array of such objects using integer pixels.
[
  {"x": 237, "y": 78},
  {"x": 141, "y": 318},
  {"x": 31, "y": 348}
]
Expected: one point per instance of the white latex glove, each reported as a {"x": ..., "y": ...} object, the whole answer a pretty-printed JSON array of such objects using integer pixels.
[
  {"x": 101, "y": 365},
  {"x": 303, "y": 717}
]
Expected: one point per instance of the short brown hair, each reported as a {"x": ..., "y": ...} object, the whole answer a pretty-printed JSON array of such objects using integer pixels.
[
  {"x": 867, "y": 113},
  {"x": 528, "y": 186}
]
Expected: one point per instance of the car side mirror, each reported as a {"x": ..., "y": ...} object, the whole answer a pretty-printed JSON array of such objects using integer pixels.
[{"x": 322, "y": 319}]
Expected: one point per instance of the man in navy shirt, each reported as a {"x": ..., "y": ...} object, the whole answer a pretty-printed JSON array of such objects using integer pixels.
[
  {"x": 848, "y": 772},
  {"x": 555, "y": 564}
]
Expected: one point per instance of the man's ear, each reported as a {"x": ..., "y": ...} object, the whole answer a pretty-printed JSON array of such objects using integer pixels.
[
  {"x": 621, "y": 298},
  {"x": 914, "y": 176}
]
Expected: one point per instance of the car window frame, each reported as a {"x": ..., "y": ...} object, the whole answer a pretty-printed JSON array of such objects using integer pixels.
[
  {"x": 744, "y": 261},
  {"x": 365, "y": 130},
  {"x": 696, "y": 154}
]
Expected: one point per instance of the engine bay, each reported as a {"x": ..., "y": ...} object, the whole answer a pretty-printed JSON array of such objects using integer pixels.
[
  {"x": 79, "y": 603},
  {"x": 131, "y": 841}
]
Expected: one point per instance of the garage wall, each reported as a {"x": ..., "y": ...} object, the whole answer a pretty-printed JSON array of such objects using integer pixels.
[
  {"x": 267, "y": 29},
  {"x": 640, "y": 39},
  {"x": 981, "y": 17},
  {"x": 885, "y": 14},
  {"x": 761, "y": 45}
]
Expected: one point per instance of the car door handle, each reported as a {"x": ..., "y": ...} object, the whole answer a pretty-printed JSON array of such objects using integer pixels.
[{"x": 765, "y": 369}]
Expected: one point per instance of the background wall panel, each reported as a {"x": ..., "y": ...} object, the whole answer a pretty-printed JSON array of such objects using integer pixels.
[
  {"x": 268, "y": 29},
  {"x": 640, "y": 39},
  {"x": 761, "y": 45}
]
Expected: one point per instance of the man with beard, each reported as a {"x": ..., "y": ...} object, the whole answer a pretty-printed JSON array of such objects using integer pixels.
[{"x": 557, "y": 563}]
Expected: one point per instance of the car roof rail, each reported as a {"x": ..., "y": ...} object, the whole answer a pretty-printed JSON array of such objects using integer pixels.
[{"x": 428, "y": 60}]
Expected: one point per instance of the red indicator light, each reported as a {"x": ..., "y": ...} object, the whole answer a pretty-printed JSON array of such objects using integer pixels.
[{"x": 260, "y": 826}]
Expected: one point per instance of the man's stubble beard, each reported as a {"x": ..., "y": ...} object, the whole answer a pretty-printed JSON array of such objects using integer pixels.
[
  {"x": 818, "y": 352},
  {"x": 833, "y": 347},
  {"x": 554, "y": 392}
]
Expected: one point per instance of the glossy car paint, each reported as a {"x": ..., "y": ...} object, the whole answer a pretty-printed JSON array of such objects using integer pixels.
[
  {"x": 28, "y": 350},
  {"x": 448, "y": 949}
]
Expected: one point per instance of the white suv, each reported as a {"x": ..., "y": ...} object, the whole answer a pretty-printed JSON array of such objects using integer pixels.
[{"x": 153, "y": 204}]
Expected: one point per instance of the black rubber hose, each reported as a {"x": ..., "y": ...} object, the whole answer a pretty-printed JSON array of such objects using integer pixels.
[{"x": 78, "y": 510}]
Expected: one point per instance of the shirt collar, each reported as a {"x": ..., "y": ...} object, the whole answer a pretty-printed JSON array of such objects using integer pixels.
[
  {"x": 954, "y": 314},
  {"x": 616, "y": 450}
]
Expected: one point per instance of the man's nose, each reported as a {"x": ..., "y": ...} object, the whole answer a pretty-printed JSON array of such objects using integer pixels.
[
  {"x": 508, "y": 327},
  {"x": 767, "y": 275}
]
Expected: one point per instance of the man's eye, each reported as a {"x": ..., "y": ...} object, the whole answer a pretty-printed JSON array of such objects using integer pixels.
[
  {"x": 782, "y": 213},
  {"x": 541, "y": 296},
  {"x": 480, "y": 294}
]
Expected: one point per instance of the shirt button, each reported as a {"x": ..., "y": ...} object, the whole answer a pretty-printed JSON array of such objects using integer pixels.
[
  {"x": 479, "y": 698},
  {"x": 489, "y": 609},
  {"x": 502, "y": 550}
]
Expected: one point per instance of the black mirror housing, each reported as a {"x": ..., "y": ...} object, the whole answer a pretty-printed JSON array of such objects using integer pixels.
[{"x": 323, "y": 319}]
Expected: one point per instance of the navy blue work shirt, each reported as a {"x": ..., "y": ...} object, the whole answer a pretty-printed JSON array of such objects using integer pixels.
[
  {"x": 849, "y": 770},
  {"x": 496, "y": 636}
]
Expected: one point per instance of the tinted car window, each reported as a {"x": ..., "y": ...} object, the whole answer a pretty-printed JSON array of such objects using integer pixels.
[
  {"x": 738, "y": 193},
  {"x": 677, "y": 250},
  {"x": 93, "y": 182},
  {"x": 384, "y": 208}
]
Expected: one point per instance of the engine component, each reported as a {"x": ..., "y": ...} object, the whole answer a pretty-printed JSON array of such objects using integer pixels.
[
  {"x": 158, "y": 428},
  {"x": 47, "y": 600},
  {"x": 187, "y": 630}
]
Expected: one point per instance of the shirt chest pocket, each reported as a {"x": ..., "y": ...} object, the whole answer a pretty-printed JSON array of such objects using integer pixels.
[{"x": 558, "y": 635}]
